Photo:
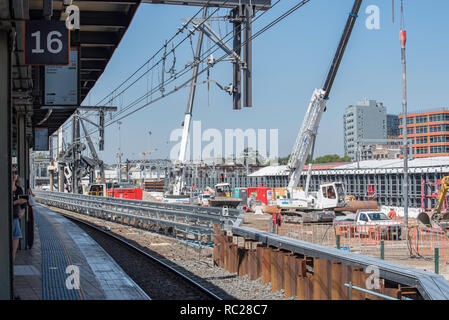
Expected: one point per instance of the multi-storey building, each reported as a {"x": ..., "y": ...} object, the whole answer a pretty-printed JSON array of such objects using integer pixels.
[
  {"x": 428, "y": 131},
  {"x": 393, "y": 131},
  {"x": 390, "y": 150},
  {"x": 365, "y": 120}
]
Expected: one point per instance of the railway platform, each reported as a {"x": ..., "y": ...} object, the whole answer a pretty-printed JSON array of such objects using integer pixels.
[{"x": 67, "y": 264}]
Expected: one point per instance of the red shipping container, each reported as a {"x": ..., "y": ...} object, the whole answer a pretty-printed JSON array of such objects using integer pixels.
[
  {"x": 262, "y": 193},
  {"x": 135, "y": 193}
]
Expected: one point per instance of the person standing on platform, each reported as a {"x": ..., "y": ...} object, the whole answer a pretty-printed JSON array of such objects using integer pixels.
[
  {"x": 18, "y": 213},
  {"x": 30, "y": 219}
]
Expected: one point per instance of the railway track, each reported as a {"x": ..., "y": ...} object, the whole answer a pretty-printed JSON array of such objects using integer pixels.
[{"x": 159, "y": 280}]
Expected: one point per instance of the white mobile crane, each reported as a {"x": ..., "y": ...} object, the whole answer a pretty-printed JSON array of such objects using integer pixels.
[
  {"x": 331, "y": 195},
  {"x": 177, "y": 185}
]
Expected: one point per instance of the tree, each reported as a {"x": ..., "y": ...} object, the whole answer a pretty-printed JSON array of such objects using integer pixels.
[
  {"x": 284, "y": 160},
  {"x": 252, "y": 156},
  {"x": 332, "y": 158},
  {"x": 323, "y": 159}
]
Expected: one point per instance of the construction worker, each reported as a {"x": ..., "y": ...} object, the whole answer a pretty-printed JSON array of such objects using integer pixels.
[
  {"x": 277, "y": 221},
  {"x": 392, "y": 214},
  {"x": 273, "y": 222}
]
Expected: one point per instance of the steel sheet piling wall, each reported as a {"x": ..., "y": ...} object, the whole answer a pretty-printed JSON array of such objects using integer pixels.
[{"x": 300, "y": 276}]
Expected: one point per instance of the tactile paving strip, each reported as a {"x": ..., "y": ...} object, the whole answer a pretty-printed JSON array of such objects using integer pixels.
[{"x": 54, "y": 264}]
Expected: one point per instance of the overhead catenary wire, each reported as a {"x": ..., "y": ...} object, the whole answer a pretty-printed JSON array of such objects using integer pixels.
[
  {"x": 180, "y": 30},
  {"x": 205, "y": 55},
  {"x": 114, "y": 93},
  {"x": 283, "y": 16},
  {"x": 163, "y": 47},
  {"x": 157, "y": 64},
  {"x": 183, "y": 72},
  {"x": 179, "y": 74},
  {"x": 160, "y": 60}
]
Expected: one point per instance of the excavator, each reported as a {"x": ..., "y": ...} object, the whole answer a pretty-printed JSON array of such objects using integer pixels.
[{"x": 437, "y": 218}]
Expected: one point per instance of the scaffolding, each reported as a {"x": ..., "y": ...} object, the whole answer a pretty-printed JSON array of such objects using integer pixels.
[{"x": 382, "y": 185}]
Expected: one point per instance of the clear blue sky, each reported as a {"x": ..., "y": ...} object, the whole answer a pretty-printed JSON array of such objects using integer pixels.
[{"x": 289, "y": 61}]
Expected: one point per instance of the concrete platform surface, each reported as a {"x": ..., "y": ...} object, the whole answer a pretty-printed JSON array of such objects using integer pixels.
[{"x": 67, "y": 264}]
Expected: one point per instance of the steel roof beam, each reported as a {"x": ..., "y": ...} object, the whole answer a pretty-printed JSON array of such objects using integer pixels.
[
  {"x": 107, "y": 19},
  {"x": 259, "y": 4},
  {"x": 99, "y": 38},
  {"x": 109, "y": 1}
]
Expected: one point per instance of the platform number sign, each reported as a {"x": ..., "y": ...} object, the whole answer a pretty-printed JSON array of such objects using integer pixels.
[{"x": 46, "y": 43}]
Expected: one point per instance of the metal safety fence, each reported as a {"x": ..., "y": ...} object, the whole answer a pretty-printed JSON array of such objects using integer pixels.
[
  {"x": 389, "y": 242},
  {"x": 429, "y": 243}
]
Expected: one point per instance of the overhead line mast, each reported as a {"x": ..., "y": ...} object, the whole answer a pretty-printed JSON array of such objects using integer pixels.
[{"x": 403, "y": 40}]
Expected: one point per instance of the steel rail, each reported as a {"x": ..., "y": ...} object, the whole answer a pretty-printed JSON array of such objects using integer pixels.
[
  {"x": 149, "y": 256},
  {"x": 149, "y": 204},
  {"x": 137, "y": 210},
  {"x": 183, "y": 219}
]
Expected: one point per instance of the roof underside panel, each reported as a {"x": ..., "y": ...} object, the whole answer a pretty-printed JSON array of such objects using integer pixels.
[{"x": 102, "y": 26}]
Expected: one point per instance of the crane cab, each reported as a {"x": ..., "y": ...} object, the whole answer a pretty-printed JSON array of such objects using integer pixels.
[
  {"x": 97, "y": 189},
  {"x": 101, "y": 189},
  {"x": 223, "y": 190},
  {"x": 331, "y": 195}
]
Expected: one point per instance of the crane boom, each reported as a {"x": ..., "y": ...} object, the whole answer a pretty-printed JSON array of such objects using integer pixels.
[
  {"x": 317, "y": 106},
  {"x": 178, "y": 182},
  {"x": 94, "y": 152},
  {"x": 188, "y": 114}
]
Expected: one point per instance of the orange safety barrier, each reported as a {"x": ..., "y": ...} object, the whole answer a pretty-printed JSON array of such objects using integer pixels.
[
  {"x": 315, "y": 233},
  {"x": 368, "y": 234},
  {"x": 424, "y": 240},
  {"x": 350, "y": 234}
]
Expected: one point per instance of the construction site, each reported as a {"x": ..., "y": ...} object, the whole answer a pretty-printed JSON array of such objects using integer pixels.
[{"x": 372, "y": 225}]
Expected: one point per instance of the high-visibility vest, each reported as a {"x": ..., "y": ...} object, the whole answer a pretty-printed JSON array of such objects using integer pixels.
[{"x": 392, "y": 214}]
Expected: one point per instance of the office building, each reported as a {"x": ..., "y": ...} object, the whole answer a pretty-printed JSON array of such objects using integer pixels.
[
  {"x": 428, "y": 131},
  {"x": 366, "y": 120},
  {"x": 393, "y": 131}
]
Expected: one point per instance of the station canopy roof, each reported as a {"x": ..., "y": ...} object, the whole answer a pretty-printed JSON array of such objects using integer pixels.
[
  {"x": 416, "y": 163},
  {"x": 103, "y": 24}
]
